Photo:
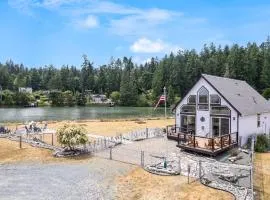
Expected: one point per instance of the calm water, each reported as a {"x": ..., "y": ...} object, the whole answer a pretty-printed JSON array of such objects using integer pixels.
[{"x": 75, "y": 113}]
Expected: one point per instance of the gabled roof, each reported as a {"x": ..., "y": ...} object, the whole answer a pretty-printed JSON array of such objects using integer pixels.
[{"x": 241, "y": 96}]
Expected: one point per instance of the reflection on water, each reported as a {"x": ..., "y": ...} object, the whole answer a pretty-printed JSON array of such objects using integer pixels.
[{"x": 75, "y": 113}]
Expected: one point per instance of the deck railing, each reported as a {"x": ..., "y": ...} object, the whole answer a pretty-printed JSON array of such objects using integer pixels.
[{"x": 208, "y": 144}]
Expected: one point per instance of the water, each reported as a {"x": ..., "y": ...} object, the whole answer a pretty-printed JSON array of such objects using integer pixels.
[{"x": 76, "y": 113}]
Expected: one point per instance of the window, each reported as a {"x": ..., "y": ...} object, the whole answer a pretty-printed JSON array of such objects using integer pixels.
[
  {"x": 188, "y": 109},
  {"x": 258, "y": 120},
  {"x": 220, "y": 110},
  {"x": 215, "y": 99},
  {"x": 203, "y": 96},
  {"x": 188, "y": 124},
  {"x": 192, "y": 99},
  {"x": 220, "y": 126}
]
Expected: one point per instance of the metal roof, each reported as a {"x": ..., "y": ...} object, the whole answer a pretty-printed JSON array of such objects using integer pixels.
[{"x": 245, "y": 99}]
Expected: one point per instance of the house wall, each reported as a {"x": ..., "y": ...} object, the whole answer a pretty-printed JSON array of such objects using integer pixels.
[
  {"x": 206, "y": 114},
  {"x": 248, "y": 126}
]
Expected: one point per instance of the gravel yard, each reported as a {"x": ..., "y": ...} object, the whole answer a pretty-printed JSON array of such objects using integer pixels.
[{"x": 58, "y": 181}]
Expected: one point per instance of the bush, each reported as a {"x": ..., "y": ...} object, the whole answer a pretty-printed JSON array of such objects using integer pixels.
[
  {"x": 71, "y": 135},
  {"x": 266, "y": 93},
  {"x": 142, "y": 101},
  {"x": 115, "y": 96},
  {"x": 262, "y": 143}
]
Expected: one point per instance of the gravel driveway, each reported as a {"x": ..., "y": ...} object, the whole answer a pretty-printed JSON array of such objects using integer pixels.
[{"x": 86, "y": 180}]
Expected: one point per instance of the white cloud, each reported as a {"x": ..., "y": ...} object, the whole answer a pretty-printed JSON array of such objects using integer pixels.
[
  {"x": 144, "y": 45},
  {"x": 89, "y": 22}
]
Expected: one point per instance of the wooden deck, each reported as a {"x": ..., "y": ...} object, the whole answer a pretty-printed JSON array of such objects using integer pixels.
[{"x": 204, "y": 145}]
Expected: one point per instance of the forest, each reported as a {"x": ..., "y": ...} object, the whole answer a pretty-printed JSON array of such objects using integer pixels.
[{"x": 129, "y": 84}]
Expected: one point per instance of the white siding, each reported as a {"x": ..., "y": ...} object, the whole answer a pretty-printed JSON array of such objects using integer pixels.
[
  {"x": 248, "y": 126},
  {"x": 206, "y": 114}
]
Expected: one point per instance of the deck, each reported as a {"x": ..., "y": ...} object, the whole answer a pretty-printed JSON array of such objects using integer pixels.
[{"x": 204, "y": 145}]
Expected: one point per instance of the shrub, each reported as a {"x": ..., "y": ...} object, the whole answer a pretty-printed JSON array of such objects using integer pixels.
[
  {"x": 115, "y": 96},
  {"x": 262, "y": 143},
  {"x": 71, "y": 135},
  {"x": 266, "y": 93},
  {"x": 142, "y": 101}
]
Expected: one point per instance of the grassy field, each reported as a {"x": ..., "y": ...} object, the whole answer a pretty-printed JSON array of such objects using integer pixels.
[
  {"x": 140, "y": 185},
  {"x": 262, "y": 176}
]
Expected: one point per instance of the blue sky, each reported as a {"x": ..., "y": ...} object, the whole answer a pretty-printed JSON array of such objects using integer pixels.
[{"x": 39, "y": 32}]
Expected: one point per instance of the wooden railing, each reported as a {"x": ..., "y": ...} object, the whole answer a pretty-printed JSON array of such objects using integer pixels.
[{"x": 208, "y": 144}]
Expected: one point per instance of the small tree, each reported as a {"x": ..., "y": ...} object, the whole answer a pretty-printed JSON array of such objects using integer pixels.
[
  {"x": 71, "y": 135},
  {"x": 262, "y": 143}
]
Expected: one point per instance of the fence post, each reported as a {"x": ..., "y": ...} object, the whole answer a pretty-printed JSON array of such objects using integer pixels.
[
  {"x": 20, "y": 141},
  {"x": 200, "y": 168},
  {"x": 110, "y": 153},
  {"x": 146, "y": 133},
  {"x": 52, "y": 138},
  {"x": 188, "y": 168},
  {"x": 179, "y": 165},
  {"x": 142, "y": 159},
  {"x": 251, "y": 170}
]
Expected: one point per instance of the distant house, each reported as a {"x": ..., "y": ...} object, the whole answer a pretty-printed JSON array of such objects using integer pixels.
[
  {"x": 100, "y": 99},
  {"x": 25, "y": 90},
  {"x": 219, "y": 113}
]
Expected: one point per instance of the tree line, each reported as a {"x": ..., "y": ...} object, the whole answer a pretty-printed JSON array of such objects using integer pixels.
[{"x": 129, "y": 84}]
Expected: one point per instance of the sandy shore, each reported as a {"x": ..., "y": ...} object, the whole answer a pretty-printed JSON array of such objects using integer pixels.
[
  {"x": 107, "y": 127},
  {"x": 139, "y": 185}
]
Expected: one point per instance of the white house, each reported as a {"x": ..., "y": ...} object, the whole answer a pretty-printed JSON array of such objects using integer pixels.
[
  {"x": 218, "y": 106},
  {"x": 25, "y": 90}
]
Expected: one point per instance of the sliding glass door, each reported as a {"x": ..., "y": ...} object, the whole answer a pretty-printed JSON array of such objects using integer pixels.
[
  {"x": 188, "y": 123},
  {"x": 220, "y": 126}
]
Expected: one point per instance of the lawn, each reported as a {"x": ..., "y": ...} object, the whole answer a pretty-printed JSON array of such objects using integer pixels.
[
  {"x": 140, "y": 185},
  {"x": 262, "y": 176}
]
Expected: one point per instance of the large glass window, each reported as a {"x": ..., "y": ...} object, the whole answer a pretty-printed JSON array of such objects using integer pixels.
[
  {"x": 203, "y": 99},
  {"x": 188, "y": 109},
  {"x": 215, "y": 99},
  {"x": 220, "y": 110},
  {"x": 188, "y": 124},
  {"x": 192, "y": 99},
  {"x": 220, "y": 126},
  {"x": 203, "y": 95}
]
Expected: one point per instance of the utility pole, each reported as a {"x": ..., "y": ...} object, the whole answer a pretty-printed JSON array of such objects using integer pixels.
[{"x": 165, "y": 96}]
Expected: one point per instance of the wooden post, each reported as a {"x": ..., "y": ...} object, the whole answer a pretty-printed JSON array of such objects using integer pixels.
[
  {"x": 230, "y": 139},
  {"x": 52, "y": 138},
  {"x": 20, "y": 141},
  {"x": 213, "y": 144},
  {"x": 179, "y": 165},
  {"x": 194, "y": 142},
  {"x": 110, "y": 153},
  {"x": 178, "y": 138},
  {"x": 221, "y": 142},
  {"x": 146, "y": 131}
]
